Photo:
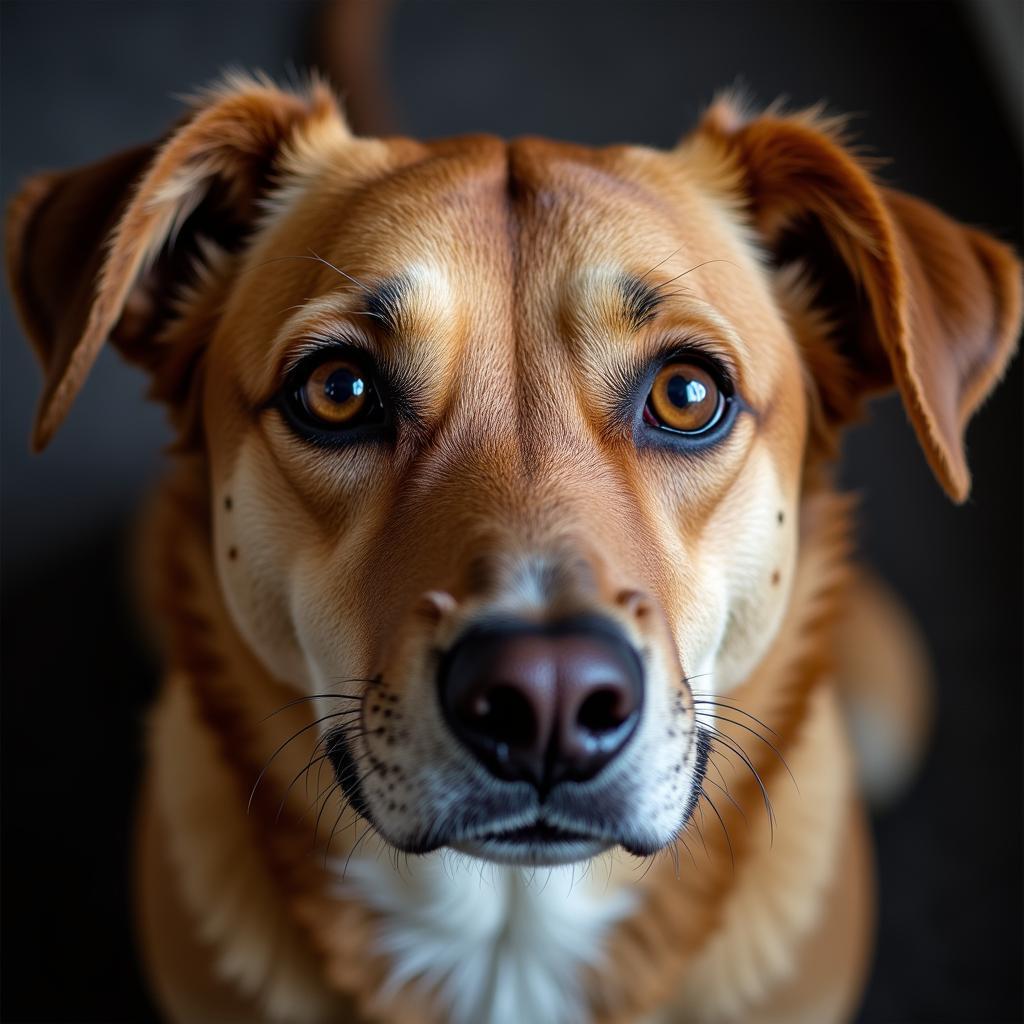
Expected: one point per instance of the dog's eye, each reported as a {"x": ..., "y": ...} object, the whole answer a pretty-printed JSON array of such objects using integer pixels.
[
  {"x": 684, "y": 398},
  {"x": 336, "y": 392},
  {"x": 332, "y": 398}
]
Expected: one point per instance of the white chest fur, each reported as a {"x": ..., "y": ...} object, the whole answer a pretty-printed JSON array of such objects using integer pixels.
[{"x": 500, "y": 945}]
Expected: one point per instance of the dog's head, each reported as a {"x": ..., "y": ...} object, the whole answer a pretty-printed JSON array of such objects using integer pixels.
[{"x": 508, "y": 440}]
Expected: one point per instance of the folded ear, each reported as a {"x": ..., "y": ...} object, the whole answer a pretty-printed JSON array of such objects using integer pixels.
[
  {"x": 103, "y": 251},
  {"x": 912, "y": 297}
]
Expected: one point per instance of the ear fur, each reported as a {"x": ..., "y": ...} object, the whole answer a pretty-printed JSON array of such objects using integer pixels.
[
  {"x": 81, "y": 243},
  {"x": 919, "y": 300}
]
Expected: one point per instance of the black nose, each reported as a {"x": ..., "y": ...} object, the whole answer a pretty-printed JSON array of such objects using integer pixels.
[{"x": 543, "y": 703}]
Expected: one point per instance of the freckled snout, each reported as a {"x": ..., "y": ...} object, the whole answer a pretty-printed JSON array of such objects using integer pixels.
[{"x": 543, "y": 703}]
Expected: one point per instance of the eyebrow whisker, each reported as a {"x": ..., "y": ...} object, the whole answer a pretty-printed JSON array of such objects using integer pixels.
[
  {"x": 313, "y": 258},
  {"x": 340, "y": 273},
  {"x": 660, "y": 263},
  {"x": 665, "y": 284}
]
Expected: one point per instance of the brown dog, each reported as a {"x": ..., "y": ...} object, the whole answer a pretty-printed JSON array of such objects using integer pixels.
[{"x": 500, "y": 532}]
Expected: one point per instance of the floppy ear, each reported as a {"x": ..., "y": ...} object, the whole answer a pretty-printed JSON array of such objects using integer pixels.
[
  {"x": 105, "y": 250},
  {"x": 912, "y": 297}
]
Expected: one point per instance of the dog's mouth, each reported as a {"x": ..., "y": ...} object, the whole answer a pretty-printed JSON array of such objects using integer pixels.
[
  {"x": 538, "y": 832},
  {"x": 540, "y": 843},
  {"x": 505, "y": 826}
]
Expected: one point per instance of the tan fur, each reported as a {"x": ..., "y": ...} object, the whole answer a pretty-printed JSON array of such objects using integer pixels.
[{"x": 283, "y": 570}]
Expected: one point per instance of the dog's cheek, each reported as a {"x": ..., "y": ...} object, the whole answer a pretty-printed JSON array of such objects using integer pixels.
[
  {"x": 332, "y": 638},
  {"x": 254, "y": 542},
  {"x": 757, "y": 566}
]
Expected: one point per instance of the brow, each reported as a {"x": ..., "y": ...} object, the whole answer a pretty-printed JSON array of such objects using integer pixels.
[
  {"x": 385, "y": 301},
  {"x": 640, "y": 302}
]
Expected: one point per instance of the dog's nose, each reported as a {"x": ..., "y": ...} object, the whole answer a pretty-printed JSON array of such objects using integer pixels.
[{"x": 544, "y": 704}]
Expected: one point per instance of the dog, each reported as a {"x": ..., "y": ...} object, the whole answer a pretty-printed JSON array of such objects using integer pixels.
[{"x": 499, "y": 569}]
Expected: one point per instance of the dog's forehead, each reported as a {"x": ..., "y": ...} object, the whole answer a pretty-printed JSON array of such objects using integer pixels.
[
  {"x": 487, "y": 245},
  {"x": 479, "y": 210}
]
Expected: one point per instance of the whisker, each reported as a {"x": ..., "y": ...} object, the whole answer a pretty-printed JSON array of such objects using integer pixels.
[
  {"x": 305, "y": 771},
  {"x": 733, "y": 745},
  {"x": 725, "y": 787},
  {"x": 292, "y": 738},
  {"x": 665, "y": 284},
  {"x": 725, "y": 831},
  {"x": 689, "y": 853},
  {"x": 728, "y": 797},
  {"x": 334, "y": 784},
  {"x": 753, "y": 732},
  {"x": 341, "y": 273},
  {"x": 370, "y": 827},
  {"x": 330, "y": 839},
  {"x": 321, "y": 799},
  {"x": 701, "y": 698},
  {"x": 318, "y": 696},
  {"x": 700, "y": 829},
  {"x": 660, "y": 263},
  {"x": 360, "y": 782},
  {"x": 650, "y": 864}
]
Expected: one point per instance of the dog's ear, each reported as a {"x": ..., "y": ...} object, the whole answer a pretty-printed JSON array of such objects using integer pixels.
[
  {"x": 911, "y": 297},
  {"x": 103, "y": 251}
]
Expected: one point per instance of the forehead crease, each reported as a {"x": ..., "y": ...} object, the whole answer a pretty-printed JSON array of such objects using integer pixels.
[{"x": 574, "y": 171}]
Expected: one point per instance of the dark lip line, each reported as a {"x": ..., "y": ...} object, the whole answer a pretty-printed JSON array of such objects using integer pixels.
[{"x": 502, "y": 833}]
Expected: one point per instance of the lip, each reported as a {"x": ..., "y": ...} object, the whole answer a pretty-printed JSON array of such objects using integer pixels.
[
  {"x": 539, "y": 843},
  {"x": 539, "y": 832}
]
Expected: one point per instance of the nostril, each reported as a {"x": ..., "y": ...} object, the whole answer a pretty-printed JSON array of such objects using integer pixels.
[
  {"x": 503, "y": 714},
  {"x": 603, "y": 711}
]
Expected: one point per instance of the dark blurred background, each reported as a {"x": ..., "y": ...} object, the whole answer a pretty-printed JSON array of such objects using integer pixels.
[{"x": 937, "y": 88}]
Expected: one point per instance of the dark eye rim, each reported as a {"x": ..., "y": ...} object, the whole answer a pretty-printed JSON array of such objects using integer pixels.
[
  {"x": 373, "y": 423},
  {"x": 659, "y": 435}
]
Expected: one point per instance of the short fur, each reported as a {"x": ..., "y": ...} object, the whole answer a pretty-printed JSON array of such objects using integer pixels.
[{"x": 524, "y": 284}]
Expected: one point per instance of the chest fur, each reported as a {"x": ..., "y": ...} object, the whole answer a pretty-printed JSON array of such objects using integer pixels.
[{"x": 498, "y": 945}]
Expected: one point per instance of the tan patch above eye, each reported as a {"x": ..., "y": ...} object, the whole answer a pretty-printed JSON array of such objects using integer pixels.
[
  {"x": 685, "y": 397},
  {"x": 336, "y": 391}
]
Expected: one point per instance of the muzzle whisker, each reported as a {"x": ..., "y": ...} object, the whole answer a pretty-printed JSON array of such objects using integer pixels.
[
  {"x": 370, "y": 827},
  {"x": 340, "y": 783},
  {"x": 360, "y": 782},
  {"x": 335, "y": 783},
  {"x": 326, "y": 794},
  {"x": 650, "y": 858},
  {"x": 734, "y": 746},
  {"x": 689, "y": 853},
  {"x": 356, "y": 818},
  {"x": 753, "y": 732},
  {"x": 318, "y": 696},
  {"x": 321, "y": 799},
  {"x": 304, "y": 771},
  {"x": 699, "y": 826},
  {"x": 291, "y": 739},
  {"x": 728, "y": 797},
  {"x": 705, "y": 699},
  {"x": 725, "y": 831}
]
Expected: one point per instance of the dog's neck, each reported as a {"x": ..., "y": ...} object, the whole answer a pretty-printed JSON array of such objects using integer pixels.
[{"x": 331, "y": 920}]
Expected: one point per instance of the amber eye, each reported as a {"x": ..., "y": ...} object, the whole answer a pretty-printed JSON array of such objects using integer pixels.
[
  {"x": 336, "y": 392},
  {"x": 685, "y": 398}
]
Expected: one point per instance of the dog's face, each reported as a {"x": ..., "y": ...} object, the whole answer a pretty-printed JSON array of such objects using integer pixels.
[
  {"x": 517, "y": 387},
  {"x": 508, "y": 441}
]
